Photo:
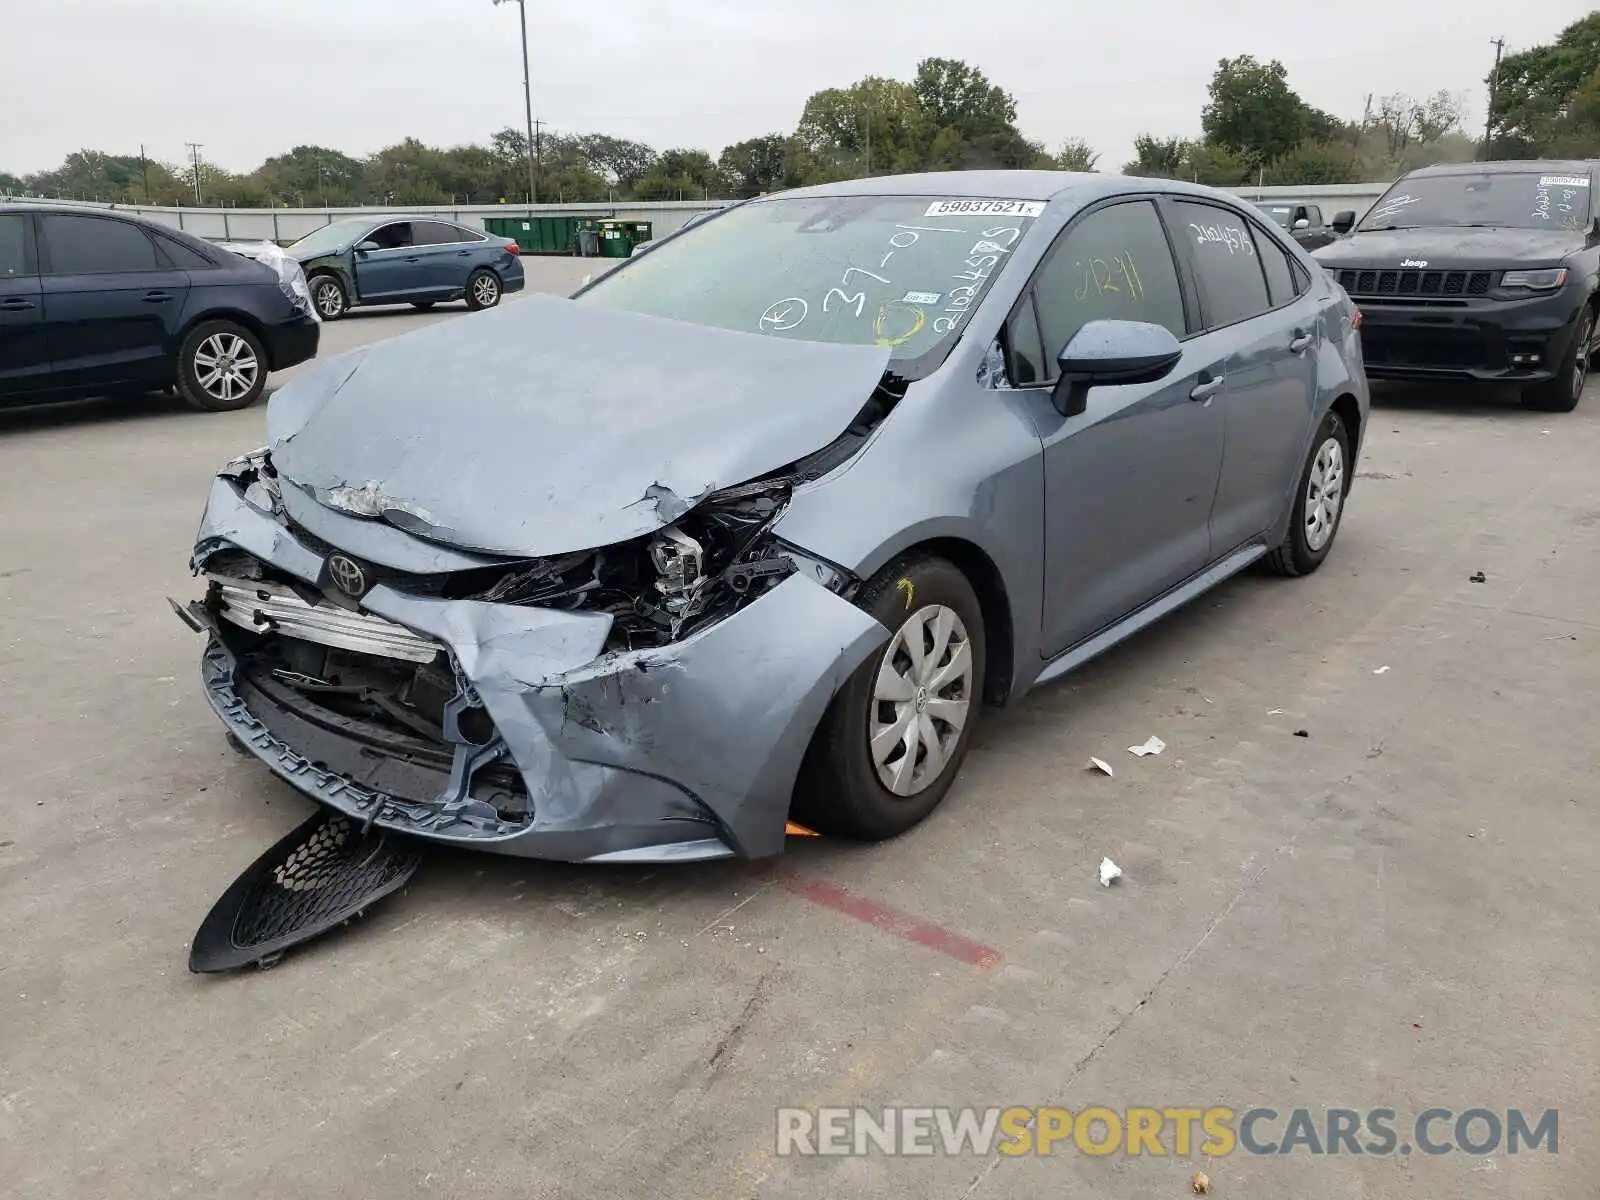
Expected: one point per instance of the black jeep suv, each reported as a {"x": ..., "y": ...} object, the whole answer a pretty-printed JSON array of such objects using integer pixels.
[{"x": 1479, "y": 271}]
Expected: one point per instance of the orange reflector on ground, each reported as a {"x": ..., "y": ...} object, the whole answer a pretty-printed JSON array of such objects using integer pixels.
[{"x": 790, "y": 829}]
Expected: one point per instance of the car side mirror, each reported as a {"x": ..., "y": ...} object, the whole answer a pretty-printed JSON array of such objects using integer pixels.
[
  {"x": 1344, "y": 222},
  {"x": 367, "y": 247},
  {"x": 1303, "y": 223},
  {"x": 1112, "y": 352}
]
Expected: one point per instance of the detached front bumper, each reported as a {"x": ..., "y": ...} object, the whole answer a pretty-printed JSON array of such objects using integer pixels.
[
  {"x": 1486, "y": 340},
  {"x": 683, "y": 752}
]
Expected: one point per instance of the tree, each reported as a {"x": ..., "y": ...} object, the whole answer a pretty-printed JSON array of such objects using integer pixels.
[
  {"x": 1157, "y": 158},
  {"x": 621, "y": 161},
  {"x": 1076, "y": 155},
  {"x": 1217, "y": 166},
  {"x": 1253, "y": 111},
  {"x": 954, "y": 95},
  {"x": 313, "y": 175},
  {"x": 1533, "y": 88},
  {"x": 754, "y": 166},
  {"x": 1313, "y": 162},
  {"x": 874, "y": 124}
]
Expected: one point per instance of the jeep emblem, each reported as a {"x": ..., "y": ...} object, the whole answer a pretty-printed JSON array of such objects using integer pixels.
[{"x": 1415, "y": 262}]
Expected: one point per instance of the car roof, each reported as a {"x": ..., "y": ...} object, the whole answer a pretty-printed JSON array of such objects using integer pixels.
[
  {"x": 84, "y": 210},
  {"x": 1548, "y": 166},
  {"x": 1079, "y": 186}
]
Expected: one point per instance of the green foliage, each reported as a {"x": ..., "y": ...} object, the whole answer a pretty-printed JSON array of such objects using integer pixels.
[
  {"x": 1254, "y": 113},
  {"x": 1544, "y": 97},
  {"x": 1076, "y": 155},
  {"x": 949, "y": 117}
]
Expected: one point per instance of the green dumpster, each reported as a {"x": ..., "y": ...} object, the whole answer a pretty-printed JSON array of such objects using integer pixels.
[
  {"x": 616, "y": 239},
  {"x": 545, "y": 233},
  {"x": 643, "y": 232}
]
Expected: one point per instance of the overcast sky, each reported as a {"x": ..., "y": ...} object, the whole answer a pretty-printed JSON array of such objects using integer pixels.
[{"x": 250, "y": 78}]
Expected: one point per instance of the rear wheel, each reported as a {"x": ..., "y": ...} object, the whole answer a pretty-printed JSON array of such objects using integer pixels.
[
  {"x": 483, "y": 289},
  {"x": 1319, "y": 502},
  {"x": 328, "y": 294},
  {"x": 221, "y": 367},
  {"x": 1562, "y": 393},
  {"x": 892, "y": 741}
]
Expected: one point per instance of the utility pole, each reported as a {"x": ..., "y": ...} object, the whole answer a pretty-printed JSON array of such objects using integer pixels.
[
  {"x": 194, "y": 158},
  {"x": 144, "y": 164},
  {"x": 538, "y": 156},
  {"x": 1499, "y": 45},
  {"x": 527, "y": 100}
]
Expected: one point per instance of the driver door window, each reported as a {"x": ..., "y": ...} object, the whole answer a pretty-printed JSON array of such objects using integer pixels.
[
  {"x": 392, "y": 237},
  {"x": 1114, "y": 264}
]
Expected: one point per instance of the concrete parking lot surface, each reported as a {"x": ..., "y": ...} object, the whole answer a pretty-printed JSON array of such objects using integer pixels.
[{"x": 1396, "y": 911}]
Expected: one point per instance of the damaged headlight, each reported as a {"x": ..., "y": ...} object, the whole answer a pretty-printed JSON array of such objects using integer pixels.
[
  {"x": 678, "y": 560},
  {"x": 253, "y": 472}
]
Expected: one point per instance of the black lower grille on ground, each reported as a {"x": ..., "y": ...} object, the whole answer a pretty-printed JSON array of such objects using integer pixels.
[
  {"x": 1423, "y": 347},
  {"x": 319, "y": 876}
]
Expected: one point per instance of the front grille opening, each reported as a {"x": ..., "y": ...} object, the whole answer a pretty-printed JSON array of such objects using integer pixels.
[{"x": 1415, "y": 283}]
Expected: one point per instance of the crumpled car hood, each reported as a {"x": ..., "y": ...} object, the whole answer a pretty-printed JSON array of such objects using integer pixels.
[{"x": 546, "y": 425}]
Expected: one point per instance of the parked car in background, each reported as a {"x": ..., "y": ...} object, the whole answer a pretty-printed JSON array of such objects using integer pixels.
[
  {"x": 1485, "y": 272},
  {"x": 363, "y": 261},
  {"x": 1303, "y": 222},
  {"x": 98, "y": 302},
  {"x": 882, "y": 451}
]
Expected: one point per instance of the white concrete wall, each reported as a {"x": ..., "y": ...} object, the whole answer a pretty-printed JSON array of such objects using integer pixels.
[{"x": 286, "y": 224}]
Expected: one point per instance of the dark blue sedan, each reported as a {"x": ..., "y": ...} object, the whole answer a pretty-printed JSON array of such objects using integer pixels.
[
  {"x": 364, "y": 261},
  {"x": 96, "y": 303}
]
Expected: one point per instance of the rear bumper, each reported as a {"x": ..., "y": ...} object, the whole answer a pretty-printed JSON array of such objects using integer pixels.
[
  {"x": 1487, "y": 341},
  {"x": 292, "y": 342}
]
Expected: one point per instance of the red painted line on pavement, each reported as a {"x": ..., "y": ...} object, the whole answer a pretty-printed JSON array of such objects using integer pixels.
[{"x": 892, "y": 921}]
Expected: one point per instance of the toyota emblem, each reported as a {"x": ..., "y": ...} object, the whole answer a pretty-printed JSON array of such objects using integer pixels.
[{"x": 347, "y": 576}]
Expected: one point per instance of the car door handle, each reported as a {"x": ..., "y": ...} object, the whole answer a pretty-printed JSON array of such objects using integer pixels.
[
  {"x": 15, "y": 304},
  {"x": 1302, "y": 341},
  {"x": 463, "y": 253},
  {"x": 413, "y": 258},
  {"x": 1206, "y": 388},
  {"x": 157, "y": 297}
]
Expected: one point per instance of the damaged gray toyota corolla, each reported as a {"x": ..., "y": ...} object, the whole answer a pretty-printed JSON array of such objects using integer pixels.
[{"x": 750, "y": 528}]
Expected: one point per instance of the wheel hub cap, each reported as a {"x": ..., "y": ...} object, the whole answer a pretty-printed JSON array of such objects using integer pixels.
[
  {"x": 1324, "y": 494},
  {"x": 921, "y": 700}
]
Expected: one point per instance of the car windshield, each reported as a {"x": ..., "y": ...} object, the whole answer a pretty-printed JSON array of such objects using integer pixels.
[
  {"x": 1513, "y": 199},
  {"x": 897, "y": 271},
  {"x": 330, "y": 237},
  {"x": 1278, "y": 212}
]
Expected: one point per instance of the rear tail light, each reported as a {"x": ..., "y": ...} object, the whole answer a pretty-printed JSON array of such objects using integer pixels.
[{"x": 513, "y": 248}]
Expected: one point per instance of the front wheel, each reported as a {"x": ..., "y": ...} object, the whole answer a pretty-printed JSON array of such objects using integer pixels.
[
  {"x": 891, "y": 743},
  {"x": 1562, "y": 393},
  {"x": 328, "y": 294},
  {"x": 483, "y": 289},
  {"x": 1319, "y": 502},
  {"x": 221, "y": 367}
]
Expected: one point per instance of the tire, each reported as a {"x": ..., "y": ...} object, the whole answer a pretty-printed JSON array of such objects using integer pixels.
[
  {"x": 423, "y": 305},
  {"x": 329, "y": 297},
  {"x": 222, "y": 367},
  {"x": 483, "y": 289},
  {"x": 1327, "y": 467},
  {"x": 842, "y": 789},
  {"x": 1562, "y": 393}
]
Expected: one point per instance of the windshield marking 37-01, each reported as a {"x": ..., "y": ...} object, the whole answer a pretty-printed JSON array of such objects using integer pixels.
[{"x": 865, "y": 270}]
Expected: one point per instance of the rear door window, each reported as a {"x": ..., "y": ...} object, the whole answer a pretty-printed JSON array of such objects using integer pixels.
[
  {"x": 1114, "y": 264},
  {"x": 440, "y": 233},
  {"x": 16, "y": 257},
  {"x": 181, "y": 255},
  {"x": 1282, "y": 282},
  {"x": 97, "y": 246},
  {"x": 1227, "y": 265}
]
